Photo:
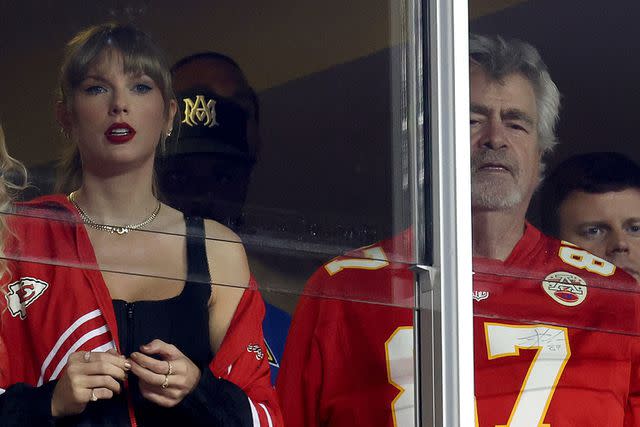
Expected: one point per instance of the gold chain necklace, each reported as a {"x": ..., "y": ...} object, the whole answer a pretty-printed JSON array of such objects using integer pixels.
[{"x": 114, "y": 229}]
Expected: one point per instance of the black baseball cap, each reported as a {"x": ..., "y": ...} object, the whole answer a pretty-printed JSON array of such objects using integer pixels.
[{"x": 209, "y": 124}]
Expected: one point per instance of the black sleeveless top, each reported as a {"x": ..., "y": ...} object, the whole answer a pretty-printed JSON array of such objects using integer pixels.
[{"x": 182, "y": 321}]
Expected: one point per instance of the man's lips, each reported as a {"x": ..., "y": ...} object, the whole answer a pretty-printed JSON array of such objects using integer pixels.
[
  {"x": 493, "y": 167},
  {"x": 119, "y": 133}
]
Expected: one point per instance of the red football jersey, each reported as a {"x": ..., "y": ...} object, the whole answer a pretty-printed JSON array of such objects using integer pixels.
[
  {"x": 556, "y": 338},
  {"x": 351, "y": 363},
  {"x": 556, "y": 341}
]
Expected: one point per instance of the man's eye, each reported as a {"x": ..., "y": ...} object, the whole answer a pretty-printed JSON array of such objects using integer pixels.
[
  {"x": 516, "y": 126},
  {"x": 95, "y": 90},
  {"x": 634, "y": 229},
  {"x": 592, "y": 232},
  {"x": 142, "y": 88}
]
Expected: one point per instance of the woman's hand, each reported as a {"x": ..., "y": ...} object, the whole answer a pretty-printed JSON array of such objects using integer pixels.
[
  {"x": 88, "y": 377},
  {"x": 165, "y": 382}
]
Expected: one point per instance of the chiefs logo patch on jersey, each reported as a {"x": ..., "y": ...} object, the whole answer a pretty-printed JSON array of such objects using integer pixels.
[
  {"x": 22, "y": 293},
  {"x": 565, "y": 288}
]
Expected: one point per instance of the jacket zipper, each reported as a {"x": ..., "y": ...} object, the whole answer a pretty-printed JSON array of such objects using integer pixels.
[{"x": 129, "y": 308}]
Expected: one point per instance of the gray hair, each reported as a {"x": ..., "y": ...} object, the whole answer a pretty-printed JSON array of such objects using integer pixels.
[{"x": 500, "y": 58}]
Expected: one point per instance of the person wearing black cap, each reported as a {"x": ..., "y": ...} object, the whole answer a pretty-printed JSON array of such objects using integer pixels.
[
  {"x": 207, "y": 164},
  {"x": 593, "y": 201}
]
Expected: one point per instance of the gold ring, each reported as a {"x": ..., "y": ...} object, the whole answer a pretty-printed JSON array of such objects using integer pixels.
[
  {"x": 170, "y": 368},
  {"x": 87, "y": 356},
  {"x": 93, "y": 395},
  {"x": 165, "y": 384}
]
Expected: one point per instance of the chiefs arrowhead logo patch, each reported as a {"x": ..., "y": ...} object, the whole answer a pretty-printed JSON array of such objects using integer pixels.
[
  {"x": 565, "y": 288},
  {"x": 23, "y": 293}
]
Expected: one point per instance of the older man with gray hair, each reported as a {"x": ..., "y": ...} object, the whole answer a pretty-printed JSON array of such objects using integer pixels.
[
  {"x": 554, "y": 343},
  {"x": 550, "y": 349}
]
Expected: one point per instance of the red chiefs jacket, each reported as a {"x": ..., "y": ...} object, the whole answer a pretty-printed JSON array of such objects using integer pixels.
[{"x": 55, "y": 303}]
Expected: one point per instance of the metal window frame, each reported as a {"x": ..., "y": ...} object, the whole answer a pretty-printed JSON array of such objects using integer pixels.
[{"x": 444, "y": 321}]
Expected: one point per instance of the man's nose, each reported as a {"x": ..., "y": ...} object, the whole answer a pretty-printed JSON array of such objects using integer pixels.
[
  {"x": 618, "y": 243},
  {"x": 493, "y": 136}
]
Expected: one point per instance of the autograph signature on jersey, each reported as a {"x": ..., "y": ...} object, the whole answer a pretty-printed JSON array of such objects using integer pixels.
[{"x": 480, "y": 295}]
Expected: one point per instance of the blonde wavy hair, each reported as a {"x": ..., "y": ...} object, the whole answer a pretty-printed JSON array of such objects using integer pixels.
[{"x": 13, "y": 178}]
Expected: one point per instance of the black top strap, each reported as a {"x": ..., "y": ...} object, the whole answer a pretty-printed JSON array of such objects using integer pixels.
[{"x": 197, "y": 264}]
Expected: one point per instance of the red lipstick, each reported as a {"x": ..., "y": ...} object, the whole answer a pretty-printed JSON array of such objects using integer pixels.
[{"x": 119, "y": 133}]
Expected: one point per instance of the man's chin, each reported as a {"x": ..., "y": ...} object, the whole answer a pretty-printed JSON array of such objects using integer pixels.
[{"x": 493, "y": 199}]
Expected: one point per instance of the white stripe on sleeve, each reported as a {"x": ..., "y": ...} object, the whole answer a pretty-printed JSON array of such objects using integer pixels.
[
  {"x": 83, "y": 339},
  {"x": 83, "y": 319},
  {"x": 104, "y": 347},
  {"x": 254, "y": 414},
  {"x": 266, "y": 411}
]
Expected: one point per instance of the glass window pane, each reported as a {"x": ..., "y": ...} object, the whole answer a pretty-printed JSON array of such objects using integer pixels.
[{"x": 292, "y": 141}]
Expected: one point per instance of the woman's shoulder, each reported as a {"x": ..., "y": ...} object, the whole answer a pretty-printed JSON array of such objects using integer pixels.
[
  {"x": 214, "y": 231},
  {"x": 225, "y": 253}
]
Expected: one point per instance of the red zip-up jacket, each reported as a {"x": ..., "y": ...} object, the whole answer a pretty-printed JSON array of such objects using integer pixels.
[{"x": 56, "y": 303}]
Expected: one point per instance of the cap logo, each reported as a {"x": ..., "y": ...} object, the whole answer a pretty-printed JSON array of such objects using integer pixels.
[
  {"x": 565, "y": 288},
  {"x": 199, "y": 111}
]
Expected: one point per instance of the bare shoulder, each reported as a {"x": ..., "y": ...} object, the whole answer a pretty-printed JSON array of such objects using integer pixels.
[
  {"x": 229, "y": 275},
  {"x": 227, "y": 259}
]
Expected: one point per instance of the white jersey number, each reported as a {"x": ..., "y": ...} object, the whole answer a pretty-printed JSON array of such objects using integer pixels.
[
  {"x": 400, "y": 370},
  {"x": 374, "y": 259},
  {"x": 586, "y": 261},
  {"x": 540, "y": 382},
  {"x": 399, "y": 346}
]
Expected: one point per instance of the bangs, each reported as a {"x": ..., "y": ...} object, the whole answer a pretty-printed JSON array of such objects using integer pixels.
[{"x": 138, "y": 52}]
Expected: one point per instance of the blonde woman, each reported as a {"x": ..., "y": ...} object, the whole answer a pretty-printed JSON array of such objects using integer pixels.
[
  {"x": 8, "y": 187},
  {"x": 143, "y": 316}
]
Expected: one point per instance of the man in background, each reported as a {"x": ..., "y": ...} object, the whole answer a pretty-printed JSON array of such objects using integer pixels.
[
  {"x": 593, "y": 201},
  {"x": 207, "y": 165}
]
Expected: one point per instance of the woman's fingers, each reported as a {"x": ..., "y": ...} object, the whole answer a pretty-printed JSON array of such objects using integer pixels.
[
  {"x": 147, "y": 375},
  {"x": 155, "y": 365},
  {"x": 100, "y": 394},
  {"x": 88, "y": 377},
  {"x": 164, "y": 350},
  {"x": 167, "y": 381},
  {"x": 99, "y": 368},
  {"x": 98, "y": 360},
  {"x": 99, "y": 381}
]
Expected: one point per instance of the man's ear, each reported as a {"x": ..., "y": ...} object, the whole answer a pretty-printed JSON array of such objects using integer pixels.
[{"x": 63, "y": 117}]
